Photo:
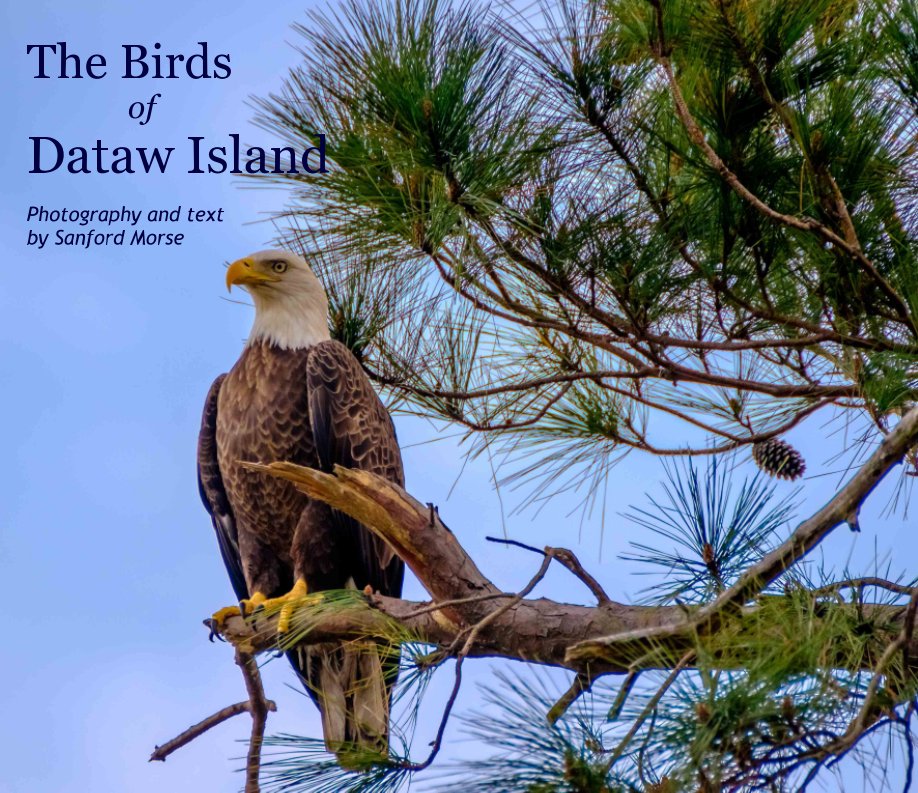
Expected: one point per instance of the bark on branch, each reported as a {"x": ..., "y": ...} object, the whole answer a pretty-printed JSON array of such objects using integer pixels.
[
  {"x": 610, "y": 637},
  {"x": 542, "y": 631}
]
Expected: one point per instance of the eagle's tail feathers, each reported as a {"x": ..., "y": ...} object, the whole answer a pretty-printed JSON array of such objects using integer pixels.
[{"x": 353, "y": 697}]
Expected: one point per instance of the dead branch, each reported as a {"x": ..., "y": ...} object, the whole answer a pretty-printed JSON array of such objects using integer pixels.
[
  {"x": 860, "y": 584},
  {"x": 580, "y": 685},
  {"x": 413, "y": 531},
  {"x": 257, "y": 705},
  {"x": 195, "y": 730},
  {"x": 567, "y": 558},
  {"x": 541, "y": 631},
  {"x": 624, "y": 691},
  {"x": 470, "y": 616}
]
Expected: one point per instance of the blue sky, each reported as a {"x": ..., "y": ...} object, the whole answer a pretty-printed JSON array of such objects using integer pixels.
[{"x": 108, "y": 560}]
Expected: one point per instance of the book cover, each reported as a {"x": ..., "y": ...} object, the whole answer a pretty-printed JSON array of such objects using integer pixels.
[{"x": 595, "y": 323}]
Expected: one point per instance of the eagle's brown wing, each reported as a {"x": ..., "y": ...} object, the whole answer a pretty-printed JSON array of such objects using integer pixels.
[
  {"x": 352, "y": 428},
  {"x": 213, "y": 493}
]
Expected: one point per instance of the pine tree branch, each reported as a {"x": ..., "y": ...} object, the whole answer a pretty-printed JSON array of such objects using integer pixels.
[
  {"x": 756, "y": 78},
  {"x": 804, "y": 223},
  {"x": 579, "y": 686},
  {"x": 869, "y": 712},
  {"x": 660, "y": 365},
  {"x": 866, "y": 581},
  {"x": 569, "y": 560},
  {"x": 805, "y": 537},
  {"x": 818, "y": 334},
  {"x": 600, "y": 378},
  {"x": 472, "y": 617},
  {"x": 675, "y": 371},
  {"x": 609, "y": 638},
  {"x": 542, "y": 630}
]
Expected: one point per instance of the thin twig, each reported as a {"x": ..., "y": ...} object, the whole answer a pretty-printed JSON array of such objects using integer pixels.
[
  {"x": 517, "y": 543},
  {"x": 463, "y": 653},
  {"x": 257, "y": 705},
  {"x": 162, "y": 752},
  {"x": 580, "y": 685},
  {"x": 650, "y": 707},
  {"x": 861, "y": 583},
  {"x": 459, "y": 602},
  {"x": 567, "y": 558},
  {"x": 909, "y": 747},
  {"x": 908, "y": 630},
  {"x": 572, "y": 563},
  {"x": 623, "y": 692}
]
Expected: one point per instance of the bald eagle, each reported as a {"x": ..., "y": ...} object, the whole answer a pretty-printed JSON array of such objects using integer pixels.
[{"x": 296, "y": 395}]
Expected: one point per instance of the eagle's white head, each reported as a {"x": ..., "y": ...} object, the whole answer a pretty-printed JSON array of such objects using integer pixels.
[{"x": 291, "y": 309}]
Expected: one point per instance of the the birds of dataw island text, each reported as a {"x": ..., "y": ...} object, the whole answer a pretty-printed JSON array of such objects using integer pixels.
[
  {"x": 146, "y": 62},
  {"x": 50, "y": 227}
]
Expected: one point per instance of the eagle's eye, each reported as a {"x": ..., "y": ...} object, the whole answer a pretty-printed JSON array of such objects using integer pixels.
[{"x": 279, "y": 267}]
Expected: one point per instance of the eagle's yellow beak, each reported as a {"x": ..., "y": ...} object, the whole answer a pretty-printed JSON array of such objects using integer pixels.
[{"x": 243, "y": 272}]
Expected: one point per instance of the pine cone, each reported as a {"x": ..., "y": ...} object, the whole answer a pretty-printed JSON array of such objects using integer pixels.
[{"x": 778, "y": 458}]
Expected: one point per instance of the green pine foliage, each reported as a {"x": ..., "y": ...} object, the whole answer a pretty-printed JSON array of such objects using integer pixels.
[
  {"x": 598, "y": 226},
  {"x": 760, "y": 710},
  {"x": 700, "y": 536},
  {"x": 531, "y": 186}
]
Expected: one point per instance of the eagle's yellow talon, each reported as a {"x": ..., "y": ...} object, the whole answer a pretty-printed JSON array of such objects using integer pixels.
[
  {"x": 250, "y": 605},
  {"x": 258, "y": 602},
  {"x": 283, "y": 621},
  {"x": 220, "y": 617},
  {"x": 245, "y": 608},
  {"x": 287, "y": 604}
]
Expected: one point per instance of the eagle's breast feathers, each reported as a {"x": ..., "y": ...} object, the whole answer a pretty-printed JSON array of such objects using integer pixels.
[{"x": 263, "y": 417}]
